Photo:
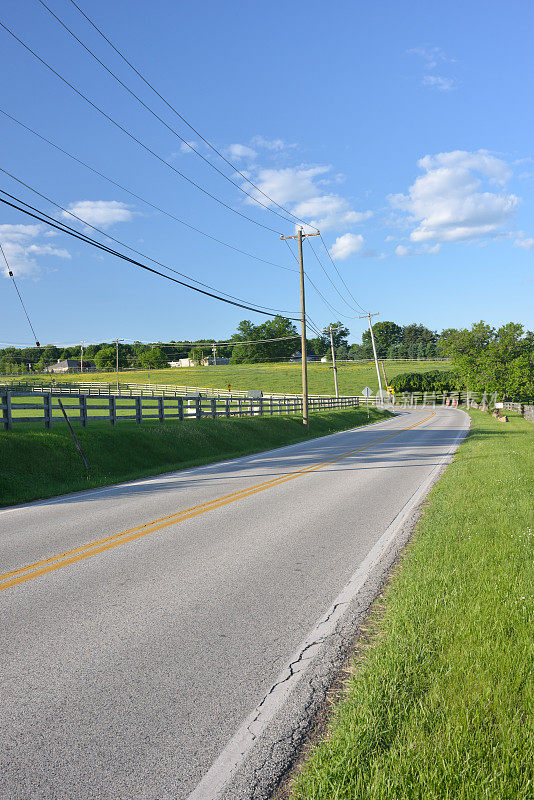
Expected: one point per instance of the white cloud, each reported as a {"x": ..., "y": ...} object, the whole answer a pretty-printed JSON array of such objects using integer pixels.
[
  {"x": 101, "y": 213},
  {"x": 346, "y": 245},
  {"x": 275, "y": 145},
  {"x": 401, "y": 250},
  {"x": 430, "y": 54},
  {"x": 185, "y": 147},
  {"x": 439, "y": 82},
  {"x": 329, "y": 212},
  {"x": 525, "y": 243},
  {"x": 239, "y": 151},
  {"x": 21, "y": 249},
  {"x": 301, "y": 189},
  {"x": 448, "y": 202}
]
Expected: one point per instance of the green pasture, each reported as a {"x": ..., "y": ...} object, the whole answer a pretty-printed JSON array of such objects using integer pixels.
[{"x": 277, "y": 378}]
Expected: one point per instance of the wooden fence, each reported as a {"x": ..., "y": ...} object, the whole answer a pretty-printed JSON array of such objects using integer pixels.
[{"x": 44, "y": 406}]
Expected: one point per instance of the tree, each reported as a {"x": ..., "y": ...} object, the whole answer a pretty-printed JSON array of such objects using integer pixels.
[
  {"x": 154, "y": 358},
  {"x": 277, "y": 328},
  {"x": 489, "y": 360},
  {"x": 386, "y": 333},
  {"x": 106, "y": 358}
]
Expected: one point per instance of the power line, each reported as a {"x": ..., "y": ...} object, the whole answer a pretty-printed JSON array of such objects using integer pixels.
[
  {"x": 195, "y": 131},
  {"x": 123, "y": 244},
  {"x": 42, "y": 217},
  {"x": 154, "y": 114},
  {"x": 340, "y": 275},
  {"x": 133, "y": 137},
  {"x": 328, "y": 276},
  {"x": 321, "y": 295},
  {"x": 142, "y": 199},
  {"x": 10, "y": 273}
]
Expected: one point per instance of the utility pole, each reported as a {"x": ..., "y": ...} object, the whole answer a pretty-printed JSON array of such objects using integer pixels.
[
  {"x": 333, "y": 359},
  {"x": 299, "y": 237},
  {"x": 117, "y": 359},
  {"x": 81, "y": 359},
  {"x": 214, "y": 348},
  {"x": 368, "y": 316}
]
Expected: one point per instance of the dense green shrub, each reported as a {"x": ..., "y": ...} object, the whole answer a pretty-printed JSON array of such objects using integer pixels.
[{"x": 433, "y": 381}]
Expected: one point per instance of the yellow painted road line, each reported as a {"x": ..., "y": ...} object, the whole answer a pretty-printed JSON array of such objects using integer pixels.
[{"x": 23, "y": 574}]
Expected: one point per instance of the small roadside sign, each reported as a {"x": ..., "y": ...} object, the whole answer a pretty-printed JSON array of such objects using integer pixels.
[
  {"x": 499, "y": 405},
  {"x": 367, "y": 392}
]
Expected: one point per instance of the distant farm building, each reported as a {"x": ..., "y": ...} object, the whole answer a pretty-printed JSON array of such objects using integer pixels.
[
  {"x": 297, "y": 357},
  {"x": 71, "y": 365}
]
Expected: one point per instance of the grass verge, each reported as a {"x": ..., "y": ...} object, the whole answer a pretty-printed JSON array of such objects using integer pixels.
[
  {"x": 440, "y": 706},
  {"x": 37, "y": 463}
]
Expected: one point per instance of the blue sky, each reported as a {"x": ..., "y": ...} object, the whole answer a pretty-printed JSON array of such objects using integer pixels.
[{"x": 403, "y": 130}]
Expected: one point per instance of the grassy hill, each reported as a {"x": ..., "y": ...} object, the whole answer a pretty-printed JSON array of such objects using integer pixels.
[{"x": 281, "y": 377}]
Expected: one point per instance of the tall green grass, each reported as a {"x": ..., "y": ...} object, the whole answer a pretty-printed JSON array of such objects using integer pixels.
[
  {"x": 441, "y": 705},
  {"x": 37, "y": 463}
]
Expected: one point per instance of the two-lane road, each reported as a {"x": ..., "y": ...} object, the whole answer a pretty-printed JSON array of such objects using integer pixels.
[{"x": 142, "y": 623}]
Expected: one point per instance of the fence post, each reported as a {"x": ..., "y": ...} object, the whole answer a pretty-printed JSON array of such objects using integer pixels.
[
  {"x": 138, "y": 410},
  {"x": 47, "y": 402},
  {"x": 198, "y": 408},
  {"x": 83, "y": 410},
  {"x": 7, "y": 418},
  {"x": 161, "y": 409},
  {"x": 180, "y": 409},
  {"x": 260, "y": 404},
  {"x": 213, "y": 406},
  {"x": 271, "y": 406},
  {"x": 112, "y": 410},
  {"x": 239, "y": 407},
  {"x": 227, "y": 408}
]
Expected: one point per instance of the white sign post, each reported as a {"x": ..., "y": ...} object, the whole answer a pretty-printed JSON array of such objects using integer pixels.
[{"x": 367, "y": 393}]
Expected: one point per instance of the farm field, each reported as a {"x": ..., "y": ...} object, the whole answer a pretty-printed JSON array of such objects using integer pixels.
[{"x": 281, "y": 377}]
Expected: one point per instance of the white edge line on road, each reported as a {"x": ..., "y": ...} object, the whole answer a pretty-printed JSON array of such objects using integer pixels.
[{"x": 235, "y": 752}]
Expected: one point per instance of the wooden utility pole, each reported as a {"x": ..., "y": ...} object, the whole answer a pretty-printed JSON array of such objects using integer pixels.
[
  {"x": 299, "y": 237},
  {"x": 368, "y": 316}
]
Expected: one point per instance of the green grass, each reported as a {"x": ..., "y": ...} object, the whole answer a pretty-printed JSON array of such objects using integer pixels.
[
  {"x": 440, "y": 706},
  {"x": 37, "y": 463},
  {"x": 281, "y": 377}
]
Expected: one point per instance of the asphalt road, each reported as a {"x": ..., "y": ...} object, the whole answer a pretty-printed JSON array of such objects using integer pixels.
[{"x": 142, "y": 623}]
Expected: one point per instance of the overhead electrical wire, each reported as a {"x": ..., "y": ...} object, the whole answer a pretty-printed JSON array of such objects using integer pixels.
[
  {"x": 139, "y": 197},
  {"x": 11, "y": 275},
  {"x": 328, "y": 276},
  {"x": 160, "y": 119},
  {"x": 133, "y": 137},
  {"x": 340, "y": 275},
  {"x": 44, "y": 218},
  {"x": 321, "y": 295},
  {"x": 124, "y": 244},
  {"x": 195, "y": 131}
]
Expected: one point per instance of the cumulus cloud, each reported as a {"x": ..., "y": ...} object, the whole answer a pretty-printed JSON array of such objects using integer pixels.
[
  {"x": 301, "y": 189},
  {"x": 241, "y": 151},
  {"x": 448, "y": 202},
  {"x": 346, "y": 245},
  {"x": 401, "y": 250},
  {"x": 100, "y": 213},
  {"x": 21, "y": 246},
  {"x": 439, "y": 82}
]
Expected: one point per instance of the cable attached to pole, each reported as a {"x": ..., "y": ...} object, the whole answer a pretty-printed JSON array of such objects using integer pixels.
[{"x": 10, "y": 273}]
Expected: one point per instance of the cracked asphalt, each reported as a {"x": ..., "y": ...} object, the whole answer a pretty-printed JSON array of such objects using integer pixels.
[{"x": 128, "y": 665}]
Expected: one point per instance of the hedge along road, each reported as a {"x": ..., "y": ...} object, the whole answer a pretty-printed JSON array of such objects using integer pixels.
[{"x": 149, "y": 627}]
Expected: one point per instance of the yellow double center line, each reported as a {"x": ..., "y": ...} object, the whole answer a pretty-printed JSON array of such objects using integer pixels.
[{"x": 31, "y": 571}]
